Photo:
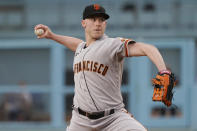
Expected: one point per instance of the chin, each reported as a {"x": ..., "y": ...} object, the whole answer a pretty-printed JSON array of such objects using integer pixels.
[{"x": 97, "y": 36}]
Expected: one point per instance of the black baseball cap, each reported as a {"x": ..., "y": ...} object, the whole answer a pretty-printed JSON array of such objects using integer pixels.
[{"x": 94, "y": 10}]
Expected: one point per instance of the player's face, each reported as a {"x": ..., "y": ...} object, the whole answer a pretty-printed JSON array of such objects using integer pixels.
[{"x": 94, "y": 27}]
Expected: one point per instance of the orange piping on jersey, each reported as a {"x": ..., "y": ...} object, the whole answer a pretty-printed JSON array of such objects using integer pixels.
[{"x": 126, "y": 48}]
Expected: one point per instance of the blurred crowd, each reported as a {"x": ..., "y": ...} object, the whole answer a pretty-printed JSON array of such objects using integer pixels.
[
  {"x": 22, "y": 106},
  {"x": 17, "y": 106}
]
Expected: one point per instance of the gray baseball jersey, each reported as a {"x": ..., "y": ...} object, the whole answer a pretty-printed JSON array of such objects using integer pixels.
[{"x": 98, "y": 73}]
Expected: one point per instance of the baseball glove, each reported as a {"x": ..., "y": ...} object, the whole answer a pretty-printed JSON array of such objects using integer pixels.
[{"x": 163, "y": 86}]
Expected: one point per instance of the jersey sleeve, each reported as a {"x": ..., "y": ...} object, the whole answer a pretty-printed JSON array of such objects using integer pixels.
[
  {"x": 79, "y": 47},
  {"x": 125, "y": 43},
  {"x": 121, "y": 46}
]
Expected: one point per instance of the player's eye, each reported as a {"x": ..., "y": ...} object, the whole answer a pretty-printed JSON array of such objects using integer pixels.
[
  {"x": 102, "y": 19},
  {"x": 93, "y": 19}
]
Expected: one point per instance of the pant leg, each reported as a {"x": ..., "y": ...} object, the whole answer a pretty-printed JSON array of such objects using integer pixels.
[
  {"x": 124, "y": 121},
  {"x": 78, "y": 123}
]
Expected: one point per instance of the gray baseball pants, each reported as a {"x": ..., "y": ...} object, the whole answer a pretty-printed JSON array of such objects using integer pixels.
[{"x": 121, "y": 120}]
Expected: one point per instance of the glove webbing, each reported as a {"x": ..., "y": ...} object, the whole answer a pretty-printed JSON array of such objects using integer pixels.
[{"x": 162, "y": 94}]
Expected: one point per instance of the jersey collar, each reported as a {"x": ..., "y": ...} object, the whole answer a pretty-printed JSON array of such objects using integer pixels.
[{"x": 103, "y": 37}]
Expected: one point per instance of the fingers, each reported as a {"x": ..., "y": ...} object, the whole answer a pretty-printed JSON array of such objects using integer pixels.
[
  {"x": 45, "y": 28},
  {"x": 156, "y": 81},
  {"x": 40, "y": 26}
]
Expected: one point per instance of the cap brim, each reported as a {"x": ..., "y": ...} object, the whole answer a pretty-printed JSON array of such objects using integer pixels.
[{"x": 104, "y": 15}]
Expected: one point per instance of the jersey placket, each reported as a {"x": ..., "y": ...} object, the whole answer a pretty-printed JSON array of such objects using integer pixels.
[
  {"x": 82, "y": 78},
  {"x": 86, "y": 84}
]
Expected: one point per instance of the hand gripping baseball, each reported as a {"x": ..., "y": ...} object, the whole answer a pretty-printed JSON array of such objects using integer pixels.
[
  {"x": 163, "y": 86},
  {"x": 42, "y": 31}
]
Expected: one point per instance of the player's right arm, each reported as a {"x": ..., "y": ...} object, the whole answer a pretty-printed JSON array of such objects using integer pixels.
[{"x": 69, "y": 42}]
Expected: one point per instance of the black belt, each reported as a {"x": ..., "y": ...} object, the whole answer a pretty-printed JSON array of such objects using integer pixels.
[{"x": 94, "y": 115}]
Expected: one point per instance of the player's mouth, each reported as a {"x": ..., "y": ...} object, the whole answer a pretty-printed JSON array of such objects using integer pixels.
[{"x": 97, "y": 30}]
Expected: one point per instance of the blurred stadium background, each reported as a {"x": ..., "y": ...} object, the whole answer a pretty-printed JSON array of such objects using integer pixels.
[{"x": 36, "y": 79}]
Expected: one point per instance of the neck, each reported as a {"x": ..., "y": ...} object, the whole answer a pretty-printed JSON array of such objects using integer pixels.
[{"x": 90, "y": 40}]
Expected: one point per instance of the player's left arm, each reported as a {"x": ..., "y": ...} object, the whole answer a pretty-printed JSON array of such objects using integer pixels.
[
  {"x": 164, "y": 78},
  {"x": 142, "y": 49}
]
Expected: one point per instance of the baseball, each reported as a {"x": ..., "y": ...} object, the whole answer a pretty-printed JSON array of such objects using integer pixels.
[{"x": 39, "y": 32}]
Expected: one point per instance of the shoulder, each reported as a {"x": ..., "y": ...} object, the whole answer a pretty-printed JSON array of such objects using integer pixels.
[
  {"x": 126, "y": 40},
  {"x": 114, "y": 42},
  {"x": 80, "y": 46},
  {"x": 110, "y": 40},
  {"x": 119, "y": 40}
]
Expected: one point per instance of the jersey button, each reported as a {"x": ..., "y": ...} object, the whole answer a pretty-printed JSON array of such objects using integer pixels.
[{"x": 84, "y": 90}]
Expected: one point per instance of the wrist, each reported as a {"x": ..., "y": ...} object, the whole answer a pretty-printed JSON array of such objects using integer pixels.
[
  {"x": 50, "y": 35},
  {"x": 165, "y": 72}
]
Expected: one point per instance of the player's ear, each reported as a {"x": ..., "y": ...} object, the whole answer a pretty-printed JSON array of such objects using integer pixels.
[
  {"x": 105, "y": 22},
  {"x": 83, "y": 23}
]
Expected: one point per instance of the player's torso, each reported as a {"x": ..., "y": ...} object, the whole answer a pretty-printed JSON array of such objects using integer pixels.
[
  {"x": 97, "y": 76},
  {"x": 92, "y": 58}
]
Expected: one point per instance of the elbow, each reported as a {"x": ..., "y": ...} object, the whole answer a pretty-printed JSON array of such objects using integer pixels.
[
  {"x": 142, "y": 49},
  {"x": 149, "y": 49}
]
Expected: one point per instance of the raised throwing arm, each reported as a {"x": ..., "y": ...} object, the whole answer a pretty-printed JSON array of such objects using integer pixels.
[{"x": 69, "y": 42}]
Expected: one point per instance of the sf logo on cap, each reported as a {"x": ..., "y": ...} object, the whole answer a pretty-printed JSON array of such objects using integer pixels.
[{"x": 96, "y": 6}]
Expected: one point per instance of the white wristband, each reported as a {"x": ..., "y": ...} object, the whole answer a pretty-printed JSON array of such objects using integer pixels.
[{"x": 165, "y": 72}]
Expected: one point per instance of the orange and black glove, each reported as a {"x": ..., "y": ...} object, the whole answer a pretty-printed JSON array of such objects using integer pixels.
[{"x": 163, "y": 86}]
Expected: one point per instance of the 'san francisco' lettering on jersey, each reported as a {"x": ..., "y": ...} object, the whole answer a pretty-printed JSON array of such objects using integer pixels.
[
  {"x": 90, "y": 66},
  {"x": 98, "y": 72}
]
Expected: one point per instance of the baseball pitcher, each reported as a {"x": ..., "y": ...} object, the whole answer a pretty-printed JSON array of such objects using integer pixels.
[{"x": 98, "y": 67}]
